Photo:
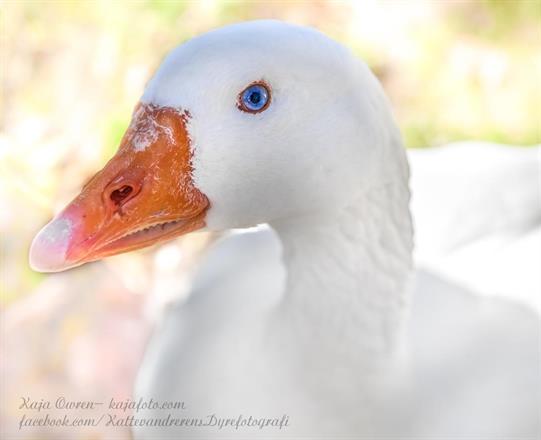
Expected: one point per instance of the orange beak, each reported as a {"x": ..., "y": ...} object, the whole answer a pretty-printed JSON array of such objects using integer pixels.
[{"x": 144, "y": 195}]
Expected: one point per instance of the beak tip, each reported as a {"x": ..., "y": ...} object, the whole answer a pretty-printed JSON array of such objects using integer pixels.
[{"x": 49, "y": 247}]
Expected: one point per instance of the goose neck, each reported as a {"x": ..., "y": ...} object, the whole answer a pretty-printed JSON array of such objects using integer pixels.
[{"x": 347, "y": 274}]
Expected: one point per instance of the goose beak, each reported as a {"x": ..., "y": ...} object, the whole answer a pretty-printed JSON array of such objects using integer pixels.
[{"x": 144, "y": 195}]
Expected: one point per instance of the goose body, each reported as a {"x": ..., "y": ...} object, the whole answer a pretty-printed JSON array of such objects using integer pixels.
[
  {"x": 316, "y": 326},
  {"x": 477, "y": 214},
  {"x": 468, "y": 368}
]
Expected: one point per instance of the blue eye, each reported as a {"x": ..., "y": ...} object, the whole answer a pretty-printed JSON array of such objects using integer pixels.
[{"x": 254, "y": 98}]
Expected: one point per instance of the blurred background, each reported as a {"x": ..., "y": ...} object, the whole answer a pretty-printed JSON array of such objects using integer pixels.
[{"x": 71, "y": 75}]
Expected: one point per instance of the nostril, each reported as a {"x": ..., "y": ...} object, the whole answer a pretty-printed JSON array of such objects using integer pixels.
[{"x": 119, "y": 195}]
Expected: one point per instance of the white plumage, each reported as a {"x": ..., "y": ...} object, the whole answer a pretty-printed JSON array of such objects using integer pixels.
[
  {"x": 313, "y": 318},
  {"x": 477, "y": 214}
]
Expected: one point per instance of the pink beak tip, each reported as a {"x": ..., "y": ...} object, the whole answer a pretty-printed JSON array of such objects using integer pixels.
[{"x": 50, "y": 245}]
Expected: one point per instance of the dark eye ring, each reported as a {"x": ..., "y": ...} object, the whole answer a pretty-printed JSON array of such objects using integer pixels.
[{"x": 255, "y": 98}]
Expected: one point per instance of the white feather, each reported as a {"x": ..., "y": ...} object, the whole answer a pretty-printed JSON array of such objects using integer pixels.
[{"x": 309, "y": 318}]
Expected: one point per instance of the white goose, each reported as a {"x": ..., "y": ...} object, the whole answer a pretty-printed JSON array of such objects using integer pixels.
[{"x": 305, "y": 325}]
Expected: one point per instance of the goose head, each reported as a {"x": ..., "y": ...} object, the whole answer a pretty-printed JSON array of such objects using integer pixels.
[{"x": 249, "y": 124}]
